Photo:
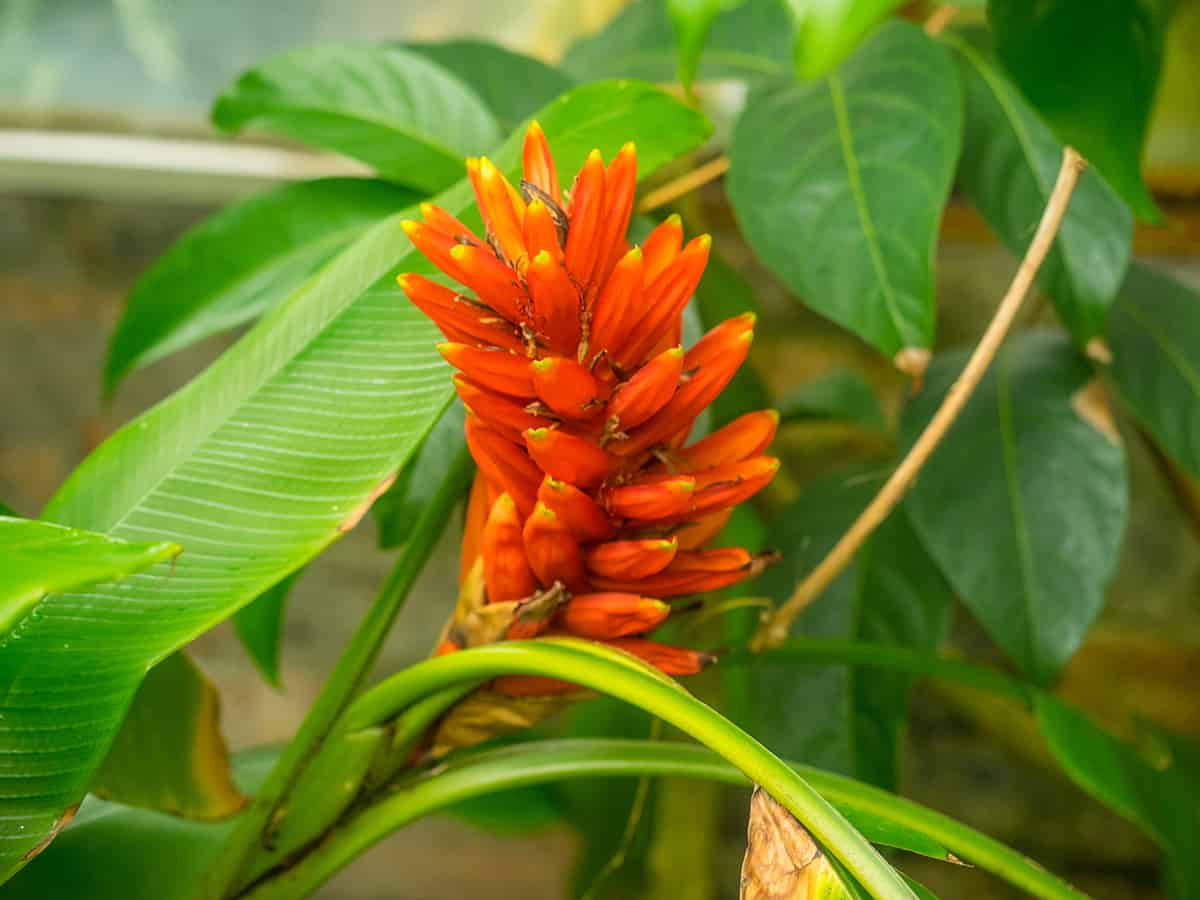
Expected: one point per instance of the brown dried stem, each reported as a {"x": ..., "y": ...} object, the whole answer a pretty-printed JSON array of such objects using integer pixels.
[
  {"x": 684, "y": 184},
  {"x": 774, "y": 629}
]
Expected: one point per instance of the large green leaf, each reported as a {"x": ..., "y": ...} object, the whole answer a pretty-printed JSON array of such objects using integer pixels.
[
  {"x": 393, "y": 109},
  {"x": 1024, "y": 501},
  {"x": 839, "y": 184},
  {"x": 750, "y": 41},
  {"x": 1090, "y": 68},
  {"x": 396, "y": 511},
  {"x": 169, "y": 754},
  {"x": 257, "y": 465},
  {"x": 827, "y": 31},
  {"x": 846, "y": 719},
  {"x": 512, "y": 86},
  {"x": 1010, "y": 160},
  {"x": 1161, "y": 797},
  {"x": 232, "y": 267},
  {"x": 1154, "y": 334},
  {"x": 840, "y": 395},
  {"x": 40, "y": 558}
]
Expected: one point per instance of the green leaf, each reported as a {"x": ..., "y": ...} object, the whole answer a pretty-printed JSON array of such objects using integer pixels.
[
  {"x": 841, "y": 395},
  {"x": 259, "y": 626},
  {"x": 849, "y": 720},
  {"x": 827, "y": 31},
  {"x": 40, "y": 558},
  {"x": 169, "y": 754},
  {"x": 397, "y": 510},
  {"x": 1090, "y": 68},
  {"x": 511, "y": 85},
  {"x": 409, "y": 119},
  {"x": 1009, "y": 164},
  {"x": 6, "y": 510},
  {"x": 1163, "y": 800},
  {"x": 1154, "y": 335},
  {"x": 233, "y": 266},
  {"x": 257, "y": 466},
  {"x": 839, "y": 184},
  {"x": 750, "y": 41},
  {"x": 1031, "y": 464},
  {"x": 692, "y": 20}
]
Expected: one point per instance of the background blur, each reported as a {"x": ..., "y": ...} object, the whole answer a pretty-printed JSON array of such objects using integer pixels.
[{"x": 106, "y": 157}]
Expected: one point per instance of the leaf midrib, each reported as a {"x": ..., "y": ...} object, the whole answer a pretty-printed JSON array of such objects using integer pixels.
[{"x": 853, "y": 177}]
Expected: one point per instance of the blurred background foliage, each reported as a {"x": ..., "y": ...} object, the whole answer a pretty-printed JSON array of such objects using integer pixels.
[{"x": 77, "y": 231}]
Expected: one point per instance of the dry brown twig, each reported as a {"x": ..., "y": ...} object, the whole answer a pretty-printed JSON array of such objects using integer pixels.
[{"x": 775, "y": 627}]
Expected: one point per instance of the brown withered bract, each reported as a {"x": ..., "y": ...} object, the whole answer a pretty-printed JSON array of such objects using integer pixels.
[{"x": 782, "y": 860}]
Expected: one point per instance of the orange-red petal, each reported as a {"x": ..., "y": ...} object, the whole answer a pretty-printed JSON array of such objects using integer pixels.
[
  {"x": 662, "y": 246},
  {"x": 553, "y": 552},
  {"x": 665, "y": 298},
  {"x": 730, "y": 484},
  {"x": 505, "y": 464},
  {"x": 662, "y": 499},
  {"x": 586, "y": 519},
  {"x": 620, "y": 181},
  {"x": 506, "y": 572},
  {"x": 497, "y": 411},
  {"x": 618, "y": 306},
  {"x": 494, "y": 369},
  {"x": 495, "y": 197},
  {"x": 568, "y": 387},
  {"x": 440, "y": 220},
  {"x": 474, "y": 521},
  {"x": 538, "y": 164},
  {"x": 631, "y": 560},
  {"x": 668, "y": 660},
  {"x": 611, "y": 615},
  {"x": 556, "y": 306},
  {"x": 541, "y": 233},
  {"x": 568, "y": 457},
  {"x": 587, "y": 215},
  {"x": 494, "y": 283},
  {"x": 461, "y": 320},
  {"x": 745, "y": 436},
  {"x": 648, "y": 390}
]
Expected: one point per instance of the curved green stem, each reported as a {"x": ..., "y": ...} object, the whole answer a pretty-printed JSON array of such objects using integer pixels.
[
  {"x": 819, "y": 651},
  {"x": 344, "y": 682},
  {"x": 548, "y": 761},
  {"x": 619, "y": 675}
]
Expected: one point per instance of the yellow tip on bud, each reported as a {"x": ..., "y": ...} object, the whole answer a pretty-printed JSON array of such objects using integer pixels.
[
  {"x": 676, "y": 351},
  {"x": 537, "y": 434},
  {"x": 668, "y": 544},
  {"x": 773, "y": 415},
  {"x": 410, "y": 226},
  {"x": 704, "y": 241},
  {"x": 628, "y": 148},
  {"x": 674, "y": 219},
  {"x": 543, "y": 364},
  {"x": 543, "y": 258},
  {"x": 459, "y": 251},
  {"x": 427, "y": 209},
  {"x": 535, "y": 127},
  {"x": 402, "y": 280},
  {"x": 594, "y": 158}
]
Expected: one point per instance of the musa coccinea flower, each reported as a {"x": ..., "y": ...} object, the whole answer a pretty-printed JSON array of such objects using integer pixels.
[{"x": 589, "y": 510}]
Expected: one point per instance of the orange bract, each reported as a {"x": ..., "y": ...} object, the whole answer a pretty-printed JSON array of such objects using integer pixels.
[{"x": 580, "y": 401}]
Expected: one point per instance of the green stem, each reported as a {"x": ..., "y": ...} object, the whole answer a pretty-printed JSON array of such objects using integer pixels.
[
  {"x": 617, "y": 674},
  {"x": 347, "y": 678},
  {"x": 550, "y": 761},
  {"x": 819, "y": 651}
]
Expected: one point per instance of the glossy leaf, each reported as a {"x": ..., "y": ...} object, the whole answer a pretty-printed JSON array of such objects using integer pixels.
[
  {"x": 511, "y": 85},
  {"x": 839, "y": 184},
  {"x": 692, "y": 20},
  {"x": 1161, "y": 799},
  {"x": 40, "y": 558},
  {"x": 828, "y": 31},
  {"x": 1009, "y": 164},
  {"x": 750, "y": 41},
  {"x": 409, "y": 119},
  {"x": 256, "y": 466},
  {"x": 1154, "y": 335},
  {"x": 849, "y": 720},
  {"x": 841, "y": 395},
  {"x": 1033, "y": 464},
  {"x": 169, "y": 754},
  {"x": 232, "y": 267},
  {"x": 1094, "y": 85},
  {"x": 259, "y": 626},
  {"x": 396, "y": 511}
]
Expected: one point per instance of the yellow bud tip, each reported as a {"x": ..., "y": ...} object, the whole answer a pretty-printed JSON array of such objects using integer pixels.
[
  {"x": 554, "y": 484},
  {"x": 427, "y": 209},
  {"x": 675, "y": 352},
  {"x": 459, "y": 252},
  {"x": 657, "y": 605},
  {"x": 544, "y": 511},
  {"x": 543, "y": 365},
  {"x": 668, "y": 544},
  {"x": 535, "y": 204},
  {"x": 634, "y": 255},
  {"x": 445, "y": 346},
  {"x": 774, "y": 465},
  {"x": 594, "y": 158},
  {"x": 629, "y": 149},
  {"x": 506, "y": 500},
  {"x": 543, "y": 258},
  {"x": 537, "y": 434},
  {"x": 486, "y": 168},
  {"x": 402, "y": 280},
  {"x": 674, "y": 220},
  {"x": 535, "y": 127},
  {"x": 704, "y": 241},
  {"x": 683, "y": 486},
  {"x": 773, "y": 415},
  {"x": 410, "y": 226}
]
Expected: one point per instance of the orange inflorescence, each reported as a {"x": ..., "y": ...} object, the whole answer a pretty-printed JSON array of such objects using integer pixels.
[{"x": 580, "y": 401}]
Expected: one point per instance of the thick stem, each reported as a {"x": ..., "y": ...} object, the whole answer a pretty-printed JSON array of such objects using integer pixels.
[
  {"x": 351, "y": 670},
  {"x": 775, "y": 629},
  {"x": 611, "y": 672},
  {"x": 550, "y": 761}
]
